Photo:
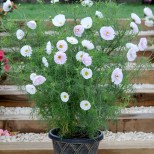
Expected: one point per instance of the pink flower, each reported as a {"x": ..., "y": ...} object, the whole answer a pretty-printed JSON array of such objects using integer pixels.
[
  {"x": 6, "y": 133},
  {"x": 1, "y": 55},
  {"x": 5, "y": 61},
  {"x": 117, "y": 76},
  {"x": 6, "y": 67},
  {"x": 86, "y": 59},
  {"x": 131, "y": 54},
  {"x": 87, "y": 44},
  {"x": 142, "y": 44},
  {"x": 62, "y": 45},
  {"x": 107, "y": 33},
  {"x": 78, "y": 30},
  {"x": 136, "y": 18},
  {"x": 60, "y": 57},
  {"x": 38, "y": 80},
  {"x": 134, "y": 28}
]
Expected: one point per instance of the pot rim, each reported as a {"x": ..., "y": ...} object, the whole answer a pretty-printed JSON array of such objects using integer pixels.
[{"x": 52, "y": 135}]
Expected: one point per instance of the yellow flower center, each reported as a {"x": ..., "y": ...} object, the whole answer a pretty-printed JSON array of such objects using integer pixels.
[
  {"x": 65, "y": 96},
  {"x": 61, "y": 46},
  {"x": 107, "y": 33},
  {"x": 86, "y": 104},
  {"x": 86, "y": 73},
  {"x": 59, "y": 57},
  {"x": 26, "y": 50}
]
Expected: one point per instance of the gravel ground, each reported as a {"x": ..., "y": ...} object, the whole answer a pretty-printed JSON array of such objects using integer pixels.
[
  {"x": 108, "y": 136},
  {"x": 28, "y": 110}
]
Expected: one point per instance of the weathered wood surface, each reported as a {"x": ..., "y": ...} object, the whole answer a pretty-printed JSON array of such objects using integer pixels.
[
  {"x": 14, "y": 90},
  {"x": 125, "y": 123},
  {"x": 141, "y": 99},
  {"x": 11, "y": 90},
  {"x": 105, "y": 147}
]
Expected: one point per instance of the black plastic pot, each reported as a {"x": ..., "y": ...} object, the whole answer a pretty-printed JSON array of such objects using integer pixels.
[{"x": 75, "y": 146}]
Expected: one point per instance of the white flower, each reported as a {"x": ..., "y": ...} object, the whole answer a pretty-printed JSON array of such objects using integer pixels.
[
  {"x": 131, "y": 45},
  {"x": 64, "y": 96},
  {"x": 86, "y": 59},
  {"x": 88, "y": 3},
  {"x": 38, "y": 80},
  {"x": 72, "y": 40},
  {"x": 136, "y": 18},
  {"x": 26, "y": 51},
  {"x": 62, "y": 45},
  {"x": 107, "y": 33},
  {"x": 98, "y": 14},
  {"x": 59, "y": 20},
  {"x": 49, "y": 48},
  {"x": 131, "y": 55},
  {"x": 32, "y": 76},
  {"x": 85, "y": 105},
  {"x": 148, "y": 12},
  {"x": 60, "y": 58},
  {"x": 149, "y": 22},
  {"x": 86, "y": 22},
  {"x": 20, "y": 34},
  {"x": 86, "y": 73},
  {"x": 54, "y": 1},
  {"x": 79, "y": 55},
  {"x": 7, "y": 6},
  {"x": 31, "y": 24},
  {"x": 78, "y": 30},
  {"x": 87, "y": 44},
  {"x": 30, "y": 89},
  {"x": 45, "y": 62},
  {"x": 117, "y": 76},
  {"x": 134, "y": 28},
  {"x": 142, "y": 44}
]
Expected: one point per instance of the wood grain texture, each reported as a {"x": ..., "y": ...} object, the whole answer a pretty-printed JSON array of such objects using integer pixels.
[
  {"x": 105, "y": 147},
  {"x": 125, "y": 123}
]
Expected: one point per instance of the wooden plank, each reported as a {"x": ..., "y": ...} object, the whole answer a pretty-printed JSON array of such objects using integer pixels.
[
  {"x": 125, "y": 123},
  {"x": 10, "y": 90},
  {"x": 15, "y": 101},
  {"x": 149, "y": 54},
  {"x": 143, "y": 99},
  {"x": 134, "y": 122},
  {"x": 105, "y": 147},
  {"x": 144, "y": 77},
  {"x": 22, "y": 123}
]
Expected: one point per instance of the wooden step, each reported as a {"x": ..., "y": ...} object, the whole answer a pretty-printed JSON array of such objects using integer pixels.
[
  {"x": 15, "y": 101},
  {"x": 125, "y": 123},
  {"x": 11, "y": 96},
  {"x": 134, "y": 122},
  {"x": 22, "y": 123},
  {"x": 105, "y": 147},
  {"x": 140, "y": 99}
]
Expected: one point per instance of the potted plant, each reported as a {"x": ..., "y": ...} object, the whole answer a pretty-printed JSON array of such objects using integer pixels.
[{"x": 77, "y": 73}]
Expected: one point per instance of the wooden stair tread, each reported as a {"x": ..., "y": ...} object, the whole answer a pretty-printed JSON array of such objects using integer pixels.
[{"x": 105, "y": 147}]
